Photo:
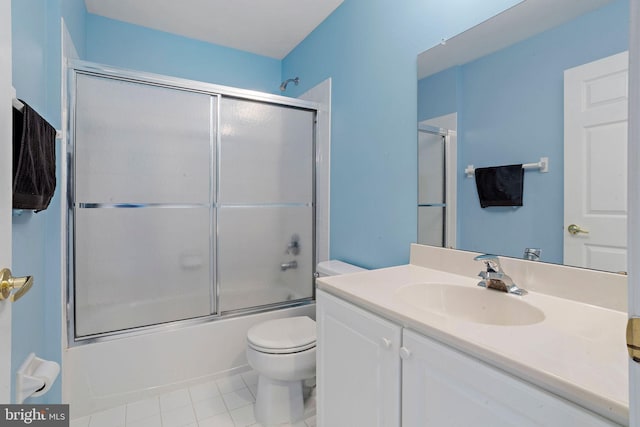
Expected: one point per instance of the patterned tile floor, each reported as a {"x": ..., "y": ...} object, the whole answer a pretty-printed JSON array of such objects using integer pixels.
[{"x": 226, "y": 402}]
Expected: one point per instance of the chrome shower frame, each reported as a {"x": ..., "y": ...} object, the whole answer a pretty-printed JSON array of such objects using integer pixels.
[{"x": 76, "y": 67}]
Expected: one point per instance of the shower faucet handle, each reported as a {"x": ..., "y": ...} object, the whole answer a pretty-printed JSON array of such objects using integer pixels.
[{"x": 293, "y": 248}]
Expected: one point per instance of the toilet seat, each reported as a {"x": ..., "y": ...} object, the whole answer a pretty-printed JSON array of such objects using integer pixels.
[
  {"x": 282, "y": 350},
  {"x": 283, "y": 336}
]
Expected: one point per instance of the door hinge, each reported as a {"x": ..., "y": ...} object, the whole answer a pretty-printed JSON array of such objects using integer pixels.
[{"x": 633, "y": 338}]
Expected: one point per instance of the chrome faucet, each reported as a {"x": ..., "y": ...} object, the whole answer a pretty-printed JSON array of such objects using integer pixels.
[
  {"x": 532, "y": 254},
  {"x": 495, "y": 278},
  {"x": 287, "y": 265}
]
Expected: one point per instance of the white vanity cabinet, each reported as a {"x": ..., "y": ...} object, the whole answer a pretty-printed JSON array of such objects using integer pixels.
[
  {"x": 358, "y": 367},
  {"x": 444, "y": 387},
  {"x": 373, "y": 372}
]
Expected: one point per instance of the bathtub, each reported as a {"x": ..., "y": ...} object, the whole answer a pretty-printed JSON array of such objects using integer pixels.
[{"x": 102, "y": 375}]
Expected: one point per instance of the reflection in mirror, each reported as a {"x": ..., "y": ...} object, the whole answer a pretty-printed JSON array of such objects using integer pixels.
[
  {"x": 542, "y": 88},
  {"x": 436, "y": 185}
]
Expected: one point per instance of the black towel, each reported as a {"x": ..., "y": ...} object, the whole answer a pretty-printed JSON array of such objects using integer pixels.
[
  {"x": 500, "y": 185},
  {"x": 34, "y": 160}
]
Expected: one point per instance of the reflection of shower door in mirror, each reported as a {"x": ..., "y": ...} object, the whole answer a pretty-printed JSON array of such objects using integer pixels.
[
  {"x": 436, "y": 200},
  {"x": 185, "y": 204},
  {"x": 595, "y": 164}
]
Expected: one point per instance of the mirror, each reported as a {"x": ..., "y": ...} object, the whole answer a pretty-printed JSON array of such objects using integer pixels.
[{"x": 496, "y": 95}]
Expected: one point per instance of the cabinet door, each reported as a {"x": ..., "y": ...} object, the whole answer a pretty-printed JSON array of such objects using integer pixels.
[
  {"x": 358, "y": 366},
  {"x": 443, "y": 387}
]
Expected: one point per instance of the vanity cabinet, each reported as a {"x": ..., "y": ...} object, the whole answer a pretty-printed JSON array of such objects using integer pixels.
[
  {"x": 373, "y": 372},
  {"x": 444, "y": 387},
  {"x": 358, "y": 368}
]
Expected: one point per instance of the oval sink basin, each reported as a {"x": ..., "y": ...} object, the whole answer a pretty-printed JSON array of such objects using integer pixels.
[{"x": 471, "y": 304}]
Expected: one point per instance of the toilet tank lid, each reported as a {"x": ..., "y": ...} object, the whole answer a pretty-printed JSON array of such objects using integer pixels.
[
  {"x": 286, "y": 333},
  {"x": 335, "y": 267}
]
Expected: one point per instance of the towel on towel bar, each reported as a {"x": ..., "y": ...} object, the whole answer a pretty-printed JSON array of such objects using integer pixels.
[
  {"x": 500, "y": 185},
  {"x": 34, "y": 160}
]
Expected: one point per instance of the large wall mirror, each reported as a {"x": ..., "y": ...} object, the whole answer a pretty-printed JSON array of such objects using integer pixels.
[{"x": 543, "y": 79}]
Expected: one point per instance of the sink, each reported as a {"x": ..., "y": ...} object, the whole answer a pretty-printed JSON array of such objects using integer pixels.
[{"x": 471, "y": 304}]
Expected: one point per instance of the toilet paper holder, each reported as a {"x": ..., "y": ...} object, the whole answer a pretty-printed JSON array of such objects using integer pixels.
[{"x": 35, "y": 377}]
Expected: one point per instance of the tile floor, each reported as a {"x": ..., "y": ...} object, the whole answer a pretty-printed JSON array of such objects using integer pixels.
[{"x": 226, "y": 402}]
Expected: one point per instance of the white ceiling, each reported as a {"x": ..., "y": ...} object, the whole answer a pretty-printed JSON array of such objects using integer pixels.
[{"x": 270, "y": 28}]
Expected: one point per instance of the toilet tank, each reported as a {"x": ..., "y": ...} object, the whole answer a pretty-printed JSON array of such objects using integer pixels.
[{"x": 334, "y": 267}]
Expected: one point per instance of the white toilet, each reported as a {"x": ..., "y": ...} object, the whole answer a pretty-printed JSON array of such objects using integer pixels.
[{"x": 283, "y": 352}]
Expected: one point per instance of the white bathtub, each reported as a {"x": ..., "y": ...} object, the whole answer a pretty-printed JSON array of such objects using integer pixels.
[{"x": 106, "y": 374}]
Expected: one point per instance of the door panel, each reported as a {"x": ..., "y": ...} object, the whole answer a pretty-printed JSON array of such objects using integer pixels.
[
  {"x": 265, "y": 204},
  {"x": 634, "y": 201},
  {"x": 6, "y": 93},
  {"x": 595, "y": 164},
  {"x": 443, "y": 387},
  {"x": 159, "y": 183},
  {"x": 266, "y": 153},
  {"x": 141, "y": 267},
  {"x": 252, "y": 246},
  {"x": 358, "y": 368},
  {"x": 139, "y": 143},
  {"x": 143, "y": 204}
]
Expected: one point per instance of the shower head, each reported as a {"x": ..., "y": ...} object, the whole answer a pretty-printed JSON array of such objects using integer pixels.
[{"x": 284, "y": 84}]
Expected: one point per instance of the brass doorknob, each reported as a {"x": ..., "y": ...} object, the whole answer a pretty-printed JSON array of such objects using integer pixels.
[
  {"x": 575, "y": 229},
  {"x": 8, "y": 282}
]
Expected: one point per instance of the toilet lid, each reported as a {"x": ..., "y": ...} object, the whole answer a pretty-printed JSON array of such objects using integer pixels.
[{"x": 287, "y": 335}]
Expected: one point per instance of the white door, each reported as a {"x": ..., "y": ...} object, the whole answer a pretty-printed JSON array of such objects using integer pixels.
[
  {"x": 6, "y": 166},
  {"x": 634, "y": 201},
  {"x": 595, "y": 164}
]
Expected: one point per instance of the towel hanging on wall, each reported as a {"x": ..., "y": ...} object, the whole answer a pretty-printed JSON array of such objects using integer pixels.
[
  {"x": 34, "y": 160},
  {"x": 500, "y": 185}
]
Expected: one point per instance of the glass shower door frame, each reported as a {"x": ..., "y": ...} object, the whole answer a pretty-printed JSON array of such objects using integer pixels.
[{"x": 215, "y": 92}]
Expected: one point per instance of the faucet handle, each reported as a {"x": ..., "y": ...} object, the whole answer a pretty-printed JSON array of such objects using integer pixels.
[
  {"x": 293, "y": 248},
  {"x": 491, "y": 261}
]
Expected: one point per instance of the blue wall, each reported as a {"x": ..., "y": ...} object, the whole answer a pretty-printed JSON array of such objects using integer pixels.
[
  {"x": 369, "y": 50},
  {"x": 133, "y": 47},
  {"x": 510, "y": 110},
  {"x": 438, "y": 94},
  {"x": 36, "y": 237}
]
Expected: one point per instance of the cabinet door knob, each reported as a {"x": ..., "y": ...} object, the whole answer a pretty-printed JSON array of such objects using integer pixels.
[
  {"x": 386, "y": 342},
  {"x": 405, "y": 353}
]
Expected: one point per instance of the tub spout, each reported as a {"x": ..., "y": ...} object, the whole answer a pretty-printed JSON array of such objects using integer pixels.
[{"x": 287, "y": 265}]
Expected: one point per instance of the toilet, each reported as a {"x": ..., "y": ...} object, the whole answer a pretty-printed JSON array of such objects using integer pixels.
[{"x": 283, "y": 353}]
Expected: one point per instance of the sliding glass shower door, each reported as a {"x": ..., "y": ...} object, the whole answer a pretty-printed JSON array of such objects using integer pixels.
[
  {"x": 184, "y": 203},
  {"x": 265, "y": 204},
  {"x": 143, "y": 204},
  {"x": 432, "y": 204}
]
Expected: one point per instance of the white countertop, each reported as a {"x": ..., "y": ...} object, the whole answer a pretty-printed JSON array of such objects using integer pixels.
[{"x": 578, "y": 351}]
